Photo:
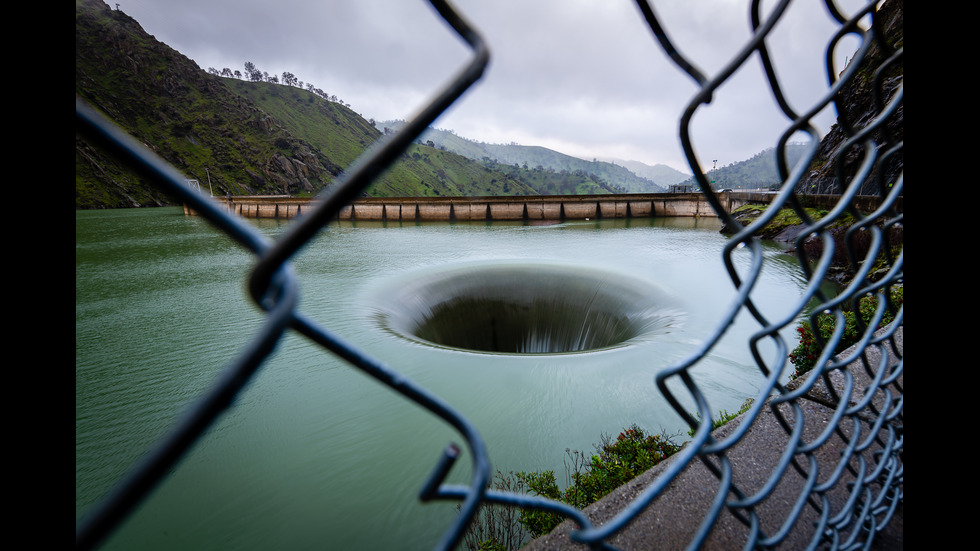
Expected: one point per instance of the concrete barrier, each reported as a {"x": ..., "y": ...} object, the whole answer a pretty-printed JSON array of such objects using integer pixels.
[
  {"x": 368, "y": 212},
  {"x": 641, "y": 209},
  {"x": 434, "y": 211},
  {"x": 614, "y": 209},
  {"x": 578, "y": 211},
  {"x": 541, "y": 207},
  {"x": 468, "y": 211},
  {"x": 393, "y": 211},
  {"x": 543, "y": 211}
]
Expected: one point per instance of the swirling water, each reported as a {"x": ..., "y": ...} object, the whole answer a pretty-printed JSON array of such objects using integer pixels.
[{"x": 316, "y": 454}]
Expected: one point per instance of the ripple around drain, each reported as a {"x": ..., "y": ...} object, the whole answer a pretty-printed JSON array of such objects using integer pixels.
[{"x": 526, "y": 309}]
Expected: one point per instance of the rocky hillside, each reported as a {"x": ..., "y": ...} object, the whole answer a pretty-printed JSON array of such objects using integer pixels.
[
  {"x": 232, "y": 136},
  {"x": 857, "y": 108},
  {"x": 186, "y": 116}
]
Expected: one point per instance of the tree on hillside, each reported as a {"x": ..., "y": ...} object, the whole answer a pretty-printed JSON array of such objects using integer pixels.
[{"x": 253, "y": 74}]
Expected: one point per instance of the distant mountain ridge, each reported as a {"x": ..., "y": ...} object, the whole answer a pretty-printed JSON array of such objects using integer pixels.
[
  {"x": 635, "y": 178},
  {"x": 660, "y": 173}
]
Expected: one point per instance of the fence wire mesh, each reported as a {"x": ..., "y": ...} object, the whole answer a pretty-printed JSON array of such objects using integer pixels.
[{"x": 844, "y": 473}]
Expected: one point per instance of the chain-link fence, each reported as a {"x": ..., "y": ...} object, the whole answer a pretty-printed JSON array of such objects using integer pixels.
[{"x": 863, "y": 437}]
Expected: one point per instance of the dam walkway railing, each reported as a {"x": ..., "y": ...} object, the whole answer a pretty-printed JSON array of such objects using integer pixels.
[{"x": 835, "y": 477}]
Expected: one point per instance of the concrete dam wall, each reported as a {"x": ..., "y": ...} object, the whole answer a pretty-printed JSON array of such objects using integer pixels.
[{"x": 547, "y": 207}]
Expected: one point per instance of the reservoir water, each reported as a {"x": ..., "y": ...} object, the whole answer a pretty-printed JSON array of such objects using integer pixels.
[{"x": 316, "y": 455}]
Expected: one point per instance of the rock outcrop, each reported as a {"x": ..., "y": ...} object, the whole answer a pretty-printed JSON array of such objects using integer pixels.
[{"x": 860, "y": 103}]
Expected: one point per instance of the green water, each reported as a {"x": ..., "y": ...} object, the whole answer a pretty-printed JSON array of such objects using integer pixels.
[{"x": 317, "y": 455}]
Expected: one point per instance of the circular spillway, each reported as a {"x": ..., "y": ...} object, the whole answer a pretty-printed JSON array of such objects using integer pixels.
[{"x": 525, "y": 309}]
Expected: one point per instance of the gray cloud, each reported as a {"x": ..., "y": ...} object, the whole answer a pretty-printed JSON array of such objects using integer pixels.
[{"x": 584, "y": 77}]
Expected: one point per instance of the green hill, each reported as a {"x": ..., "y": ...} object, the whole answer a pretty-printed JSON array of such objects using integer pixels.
[
  {"x": 615, "y": 175},
  {"x": 234, "y": 136},
  {"x": 758, "y": 172},
  {"x": 663, "y": 175}
]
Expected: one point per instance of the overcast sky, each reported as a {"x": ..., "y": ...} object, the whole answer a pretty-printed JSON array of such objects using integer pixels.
[{"x": 583, "y": 77}]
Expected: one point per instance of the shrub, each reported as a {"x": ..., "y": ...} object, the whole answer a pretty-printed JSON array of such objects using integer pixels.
[
  {"x": 497, "y": 527},
  {"x": 804, "y": 356},
  {"x": 545, "y": 485},
  {"x": 615, "y": 463}
]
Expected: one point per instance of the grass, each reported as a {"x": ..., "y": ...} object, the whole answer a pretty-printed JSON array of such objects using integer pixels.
[{"x": 723, "y": 417}]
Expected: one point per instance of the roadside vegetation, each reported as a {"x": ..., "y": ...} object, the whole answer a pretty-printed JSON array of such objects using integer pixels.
[
  {"x": 723, "y": 417},
  {"x": 812, "y": 341},
  {"x": 588, "y": 477}
]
